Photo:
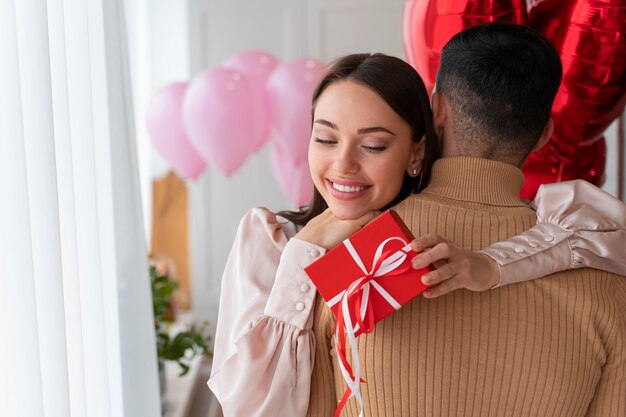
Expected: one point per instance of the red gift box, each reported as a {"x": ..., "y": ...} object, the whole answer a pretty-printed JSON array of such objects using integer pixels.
[
  {"x": 363, "y": 280},
  {"x": 334, "y": 273}
]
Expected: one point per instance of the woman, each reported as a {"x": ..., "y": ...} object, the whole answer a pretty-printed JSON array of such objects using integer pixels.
[{"x": 381, "y": 134}]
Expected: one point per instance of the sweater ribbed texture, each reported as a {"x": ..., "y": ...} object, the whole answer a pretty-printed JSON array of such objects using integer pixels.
[{"x": 550, "y": 347}]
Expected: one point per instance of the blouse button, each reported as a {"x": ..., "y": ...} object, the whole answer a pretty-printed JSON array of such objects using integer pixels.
[
  {"x": 519, "y": 249},
  {"x": 533, "y": 244},
  {"x": 548, "y": 238},
  {"x": 314, "y": 253},
  {"x": 502, "y": 255},
  {"x": 304, "y": 287},
  {"x": 300, "y": 306}
]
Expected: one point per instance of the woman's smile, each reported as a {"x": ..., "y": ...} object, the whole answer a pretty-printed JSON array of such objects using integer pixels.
[{"x": 346, "y": 190}]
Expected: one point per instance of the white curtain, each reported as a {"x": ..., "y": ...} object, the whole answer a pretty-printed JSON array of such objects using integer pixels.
[{"x": 76, "y": 335}]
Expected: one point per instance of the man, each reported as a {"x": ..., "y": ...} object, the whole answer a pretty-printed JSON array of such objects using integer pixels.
[{"x": 549, "y": 347}]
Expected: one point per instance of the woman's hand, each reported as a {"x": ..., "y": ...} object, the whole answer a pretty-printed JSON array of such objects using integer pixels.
[
  {"x": 328, "y": 231},
  {"x": 456, "y": 267}
]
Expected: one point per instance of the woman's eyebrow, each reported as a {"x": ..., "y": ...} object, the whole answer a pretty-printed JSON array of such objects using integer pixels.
[
  {"x": 374, "y": 130},
  {"x": 326, "y": 123},
  {"x": 361, "y": 131}
]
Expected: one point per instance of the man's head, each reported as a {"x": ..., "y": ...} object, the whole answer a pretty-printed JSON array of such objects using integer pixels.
[{"x": 494, "y": 92}]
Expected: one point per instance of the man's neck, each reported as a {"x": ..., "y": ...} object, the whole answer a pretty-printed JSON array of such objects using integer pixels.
[
  {"x": 477, "y": 180},
  {"x": 452, "y": 148}
]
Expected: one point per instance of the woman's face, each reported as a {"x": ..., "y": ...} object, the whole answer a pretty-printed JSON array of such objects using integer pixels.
[{"x": 359, "y": 150}]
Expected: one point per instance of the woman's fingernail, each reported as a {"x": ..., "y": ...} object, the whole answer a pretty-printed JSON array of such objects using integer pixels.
[
  {"x": 427, "y": 293},
  {"x": 417, "y": 263},
  {"x": 427, "y": 279}
]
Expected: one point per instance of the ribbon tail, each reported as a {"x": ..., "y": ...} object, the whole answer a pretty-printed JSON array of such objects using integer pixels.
[
  {"x": 342, "y": 403},
  {"x": 370, "y": 317}
]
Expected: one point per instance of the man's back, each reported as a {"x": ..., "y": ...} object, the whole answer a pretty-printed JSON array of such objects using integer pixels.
[{"x": 549, "y": 347}]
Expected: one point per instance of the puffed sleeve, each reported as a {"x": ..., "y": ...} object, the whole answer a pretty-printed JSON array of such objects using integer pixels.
[
  {"x": 264, "y": 345},
  {"x": 578, "y": 225}
]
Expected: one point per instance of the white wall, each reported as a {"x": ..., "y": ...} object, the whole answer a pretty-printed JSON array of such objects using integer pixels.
[{"x": 612, "y": 182}]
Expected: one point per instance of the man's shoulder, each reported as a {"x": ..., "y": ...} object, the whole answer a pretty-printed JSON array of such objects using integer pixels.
[
  {"x": 410, "y": 201},
  {"x": 424, "y": 213},
  {"x": 603, "y": 278},
  {"x": 426, "y": 199},
  {"x": 416, "y": 202},
  {"x": 605, "y": 289}
]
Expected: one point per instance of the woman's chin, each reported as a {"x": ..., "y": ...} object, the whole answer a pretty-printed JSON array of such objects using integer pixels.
[{"x": 345, "y": 213}]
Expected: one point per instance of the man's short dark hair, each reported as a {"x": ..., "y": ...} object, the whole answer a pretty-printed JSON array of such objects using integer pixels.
[{"x": 501, "y": 80}]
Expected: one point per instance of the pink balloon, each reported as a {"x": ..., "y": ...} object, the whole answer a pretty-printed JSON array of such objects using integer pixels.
[
  {"x": 294, "y": 178},
  {"x": 165, "y": 127},
  {"x": 257, "y": 66},
  {"x": 289, "y": 90},
  {"x": 222, "y": 120}
]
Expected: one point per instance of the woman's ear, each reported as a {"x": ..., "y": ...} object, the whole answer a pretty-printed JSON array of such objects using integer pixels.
[{"x": 417, "y": 158}]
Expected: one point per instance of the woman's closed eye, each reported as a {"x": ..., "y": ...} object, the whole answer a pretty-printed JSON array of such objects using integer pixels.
[
  {"x": 366, "y": 148},
  {"x": 374, "y": 149},
  {"x": 325, "y": 141}
]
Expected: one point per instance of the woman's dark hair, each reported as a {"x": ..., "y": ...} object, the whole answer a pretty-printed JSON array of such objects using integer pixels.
[{"x": 402, "y": 88}]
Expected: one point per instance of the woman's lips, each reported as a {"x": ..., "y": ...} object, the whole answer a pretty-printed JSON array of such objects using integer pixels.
[{"x": 346, "y": 190}]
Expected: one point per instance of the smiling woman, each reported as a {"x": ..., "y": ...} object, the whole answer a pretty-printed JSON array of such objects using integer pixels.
[
  {"x": 357, "y": 106},
  {"x": 372, "y": 136}
]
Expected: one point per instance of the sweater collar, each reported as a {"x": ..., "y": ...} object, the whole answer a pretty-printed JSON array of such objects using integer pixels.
[{"x": 477, "y": 180}]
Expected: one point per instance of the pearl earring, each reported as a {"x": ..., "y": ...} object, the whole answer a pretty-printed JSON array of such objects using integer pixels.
[{"x": 414, "y": 172}]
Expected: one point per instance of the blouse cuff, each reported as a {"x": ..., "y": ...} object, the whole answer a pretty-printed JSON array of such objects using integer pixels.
[
  {"x": 516, "y": 260},
  {"x": 293, "y": 295}
]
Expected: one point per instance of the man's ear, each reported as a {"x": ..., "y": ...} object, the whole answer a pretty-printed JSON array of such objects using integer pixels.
[
  {"x": 548, "y": 130},
  {"x": 440, "y": 112}
]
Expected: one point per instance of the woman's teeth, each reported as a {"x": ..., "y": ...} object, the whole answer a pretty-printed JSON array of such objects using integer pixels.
[{"x": 347, "y": 188}]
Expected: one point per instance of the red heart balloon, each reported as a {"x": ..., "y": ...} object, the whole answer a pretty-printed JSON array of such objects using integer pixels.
[
  {"x": 590, "y": 37},
  {"x": 429, "y": 25},
  {"x": 586, "y": 162}
]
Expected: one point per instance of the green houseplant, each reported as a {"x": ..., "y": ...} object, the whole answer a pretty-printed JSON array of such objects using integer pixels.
[{"x": 183, "y": 346}]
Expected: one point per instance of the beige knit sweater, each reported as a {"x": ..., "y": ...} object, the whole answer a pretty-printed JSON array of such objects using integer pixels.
[{"x": 550, "y": 347}]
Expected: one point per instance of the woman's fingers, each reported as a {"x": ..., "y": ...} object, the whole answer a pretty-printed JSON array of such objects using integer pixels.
[
  {"x": 443, "y": 288},
  {"x": 455, "y": 267},
  {"x": 427, "y": 241},
  {"x": 368, "y": 217},
  {"x": 328, "y": 231},
  {"x": 442, "y": 273},
  {"x": 438, "y": 252}
]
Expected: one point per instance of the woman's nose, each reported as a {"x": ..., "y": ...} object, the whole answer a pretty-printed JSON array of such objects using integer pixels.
[{"x": 346, "y": 161}]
